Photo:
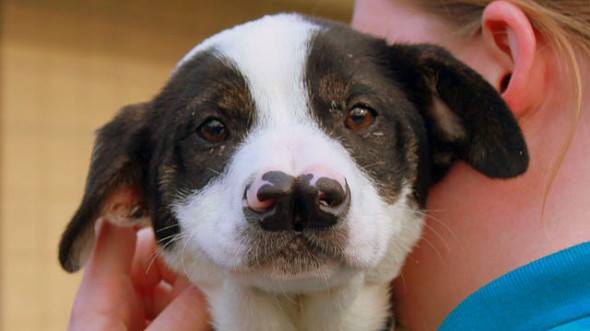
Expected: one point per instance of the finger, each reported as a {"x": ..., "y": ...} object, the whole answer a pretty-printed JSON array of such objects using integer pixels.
[
  {"x": 187, "y": 312},
  {"x": 165, "y": 293},
  {"x": 106, "y": 295},
  {"x": 167, "y": 275},
  {"x": 148, "y": 267},
  {"x": 113, "y": 251},
  {"x": 180, "y": 284},
  {"x": 144, "y": 269},
  {"x": 161, "y": 297}
]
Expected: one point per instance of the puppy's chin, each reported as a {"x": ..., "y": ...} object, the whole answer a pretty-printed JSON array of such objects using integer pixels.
[
  {"x": 295, "y": 263},
  {"x": 278, "y": 279}
]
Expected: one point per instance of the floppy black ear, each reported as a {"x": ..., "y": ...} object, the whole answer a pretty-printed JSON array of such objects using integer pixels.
[
  {"x": 114, "y": 187},
  {"x": 465, "y": 117}
]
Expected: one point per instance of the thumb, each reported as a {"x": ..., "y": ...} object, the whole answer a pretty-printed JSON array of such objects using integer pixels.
[{"x": 188, "y": 312}]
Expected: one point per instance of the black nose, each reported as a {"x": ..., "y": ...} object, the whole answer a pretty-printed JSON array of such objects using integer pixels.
[{"x": 284, "y": 202}]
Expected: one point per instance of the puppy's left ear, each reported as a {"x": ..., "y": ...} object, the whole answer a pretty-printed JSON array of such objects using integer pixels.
[
  {"x": 465, "y": 117},
  {"x": 115, "y": 184}
]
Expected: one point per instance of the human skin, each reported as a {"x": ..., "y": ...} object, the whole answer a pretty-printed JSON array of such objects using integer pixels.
[
  {"x": 127, "y": 287},
  {"x": 478, "y": 228}
]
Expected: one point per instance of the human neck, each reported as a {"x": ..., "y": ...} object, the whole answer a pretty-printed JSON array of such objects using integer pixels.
[
  {"x": 480, "y": 229},
  {"x": 550, "y": 197},
  {"x": 558, "y": 136}
]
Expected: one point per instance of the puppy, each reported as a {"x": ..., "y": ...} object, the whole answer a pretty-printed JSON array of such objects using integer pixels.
[{"x": 285, "y": 165}]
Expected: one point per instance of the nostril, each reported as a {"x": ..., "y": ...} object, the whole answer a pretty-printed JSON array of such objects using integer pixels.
[
  {"x": 269, "y": 201},
  {"x": 255, "y": 202},
  {"x": 331, "y": 193},
  {"x": 326, "y": 200},
  {"x": 265, "y": 191},
  {"x": 323, "y": 199}
]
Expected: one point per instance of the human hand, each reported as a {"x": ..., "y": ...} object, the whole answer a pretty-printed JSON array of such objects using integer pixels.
[{"x": 125, "y": 288}]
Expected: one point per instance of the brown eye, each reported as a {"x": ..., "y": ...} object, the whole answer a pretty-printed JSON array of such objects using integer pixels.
[
  {"x": 213, "y": 131},
  {"x": 359, "y": 118}
]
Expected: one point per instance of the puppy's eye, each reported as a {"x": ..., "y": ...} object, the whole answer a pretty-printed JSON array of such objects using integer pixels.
[
  {"x": 359, "y": 118},
  {"x": 213, "y": 131}
]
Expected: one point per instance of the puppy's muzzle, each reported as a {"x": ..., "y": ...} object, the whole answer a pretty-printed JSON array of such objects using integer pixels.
[{"x": 277, "y": 201}]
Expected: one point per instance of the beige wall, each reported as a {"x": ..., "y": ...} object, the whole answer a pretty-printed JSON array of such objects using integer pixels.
[{"x": 65, "y": 69}]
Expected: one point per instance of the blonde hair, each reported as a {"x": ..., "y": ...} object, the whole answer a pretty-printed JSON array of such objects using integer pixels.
[{"x": 563, "y": 24}]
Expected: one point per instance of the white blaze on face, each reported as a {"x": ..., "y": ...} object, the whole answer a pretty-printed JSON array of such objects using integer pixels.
[{"x": 271, "y": 54}]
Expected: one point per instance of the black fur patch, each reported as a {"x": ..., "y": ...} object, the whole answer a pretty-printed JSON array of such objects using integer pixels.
[
  {"x": 431, "y": 110},
  {"x": 203, "y": 88},
  {"x": 154, "y": 149},
  {"x": 345, "y": 69}
]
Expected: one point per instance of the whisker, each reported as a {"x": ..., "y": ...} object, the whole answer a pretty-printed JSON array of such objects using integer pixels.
[
  {"x": 155, "y": 255},
  {"x": 170, "y": 236},
  {"x": 438, "y": 253},
  {"x": 440, "y": 237},
  {"x": 182, "y": 251},
  {"x": 214, "y": 171},
  {"x": 438, "y": 220},
  {"x": 428, "y": 215},
  {"x": 166, "y": 227}
]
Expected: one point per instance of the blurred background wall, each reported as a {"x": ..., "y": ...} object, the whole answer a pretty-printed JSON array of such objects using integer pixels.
[{"x": 65, "y": 68}]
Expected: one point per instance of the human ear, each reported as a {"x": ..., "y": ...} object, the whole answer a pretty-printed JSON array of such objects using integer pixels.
[{"x": 510, "y": 37}]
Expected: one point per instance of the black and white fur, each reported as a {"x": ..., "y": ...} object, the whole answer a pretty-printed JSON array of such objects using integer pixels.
[{"x": 283, "y": 87}]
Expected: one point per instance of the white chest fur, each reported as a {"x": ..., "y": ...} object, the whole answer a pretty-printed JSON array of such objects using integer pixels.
[{"x": 356, "y": 306}]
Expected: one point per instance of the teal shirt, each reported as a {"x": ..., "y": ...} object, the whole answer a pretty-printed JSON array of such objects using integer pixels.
[{"x": 552, "y": 293}]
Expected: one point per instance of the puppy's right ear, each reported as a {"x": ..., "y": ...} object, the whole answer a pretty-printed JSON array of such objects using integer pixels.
[{"x": 115, "y": 183}]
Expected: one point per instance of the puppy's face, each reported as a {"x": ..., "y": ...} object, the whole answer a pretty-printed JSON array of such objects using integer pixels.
[{"x": 292, "y": 154}]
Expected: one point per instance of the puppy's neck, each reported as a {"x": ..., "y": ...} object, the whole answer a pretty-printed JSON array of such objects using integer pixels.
[{"x": 356, "y": 306}]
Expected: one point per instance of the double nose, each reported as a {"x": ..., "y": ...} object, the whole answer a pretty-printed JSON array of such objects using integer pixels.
[{"x": 277, "y": 201}]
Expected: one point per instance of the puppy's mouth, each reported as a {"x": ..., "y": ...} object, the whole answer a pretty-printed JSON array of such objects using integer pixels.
[{"x": 293, "y": 253}]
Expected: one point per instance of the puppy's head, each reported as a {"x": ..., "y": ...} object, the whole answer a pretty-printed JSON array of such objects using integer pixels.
[{"x": 291, "y": 153}]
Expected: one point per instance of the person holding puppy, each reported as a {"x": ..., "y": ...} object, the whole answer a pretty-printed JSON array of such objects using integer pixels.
[
  {"x": 482, "y": 234},
  {"x": 537, "y": 54}
]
